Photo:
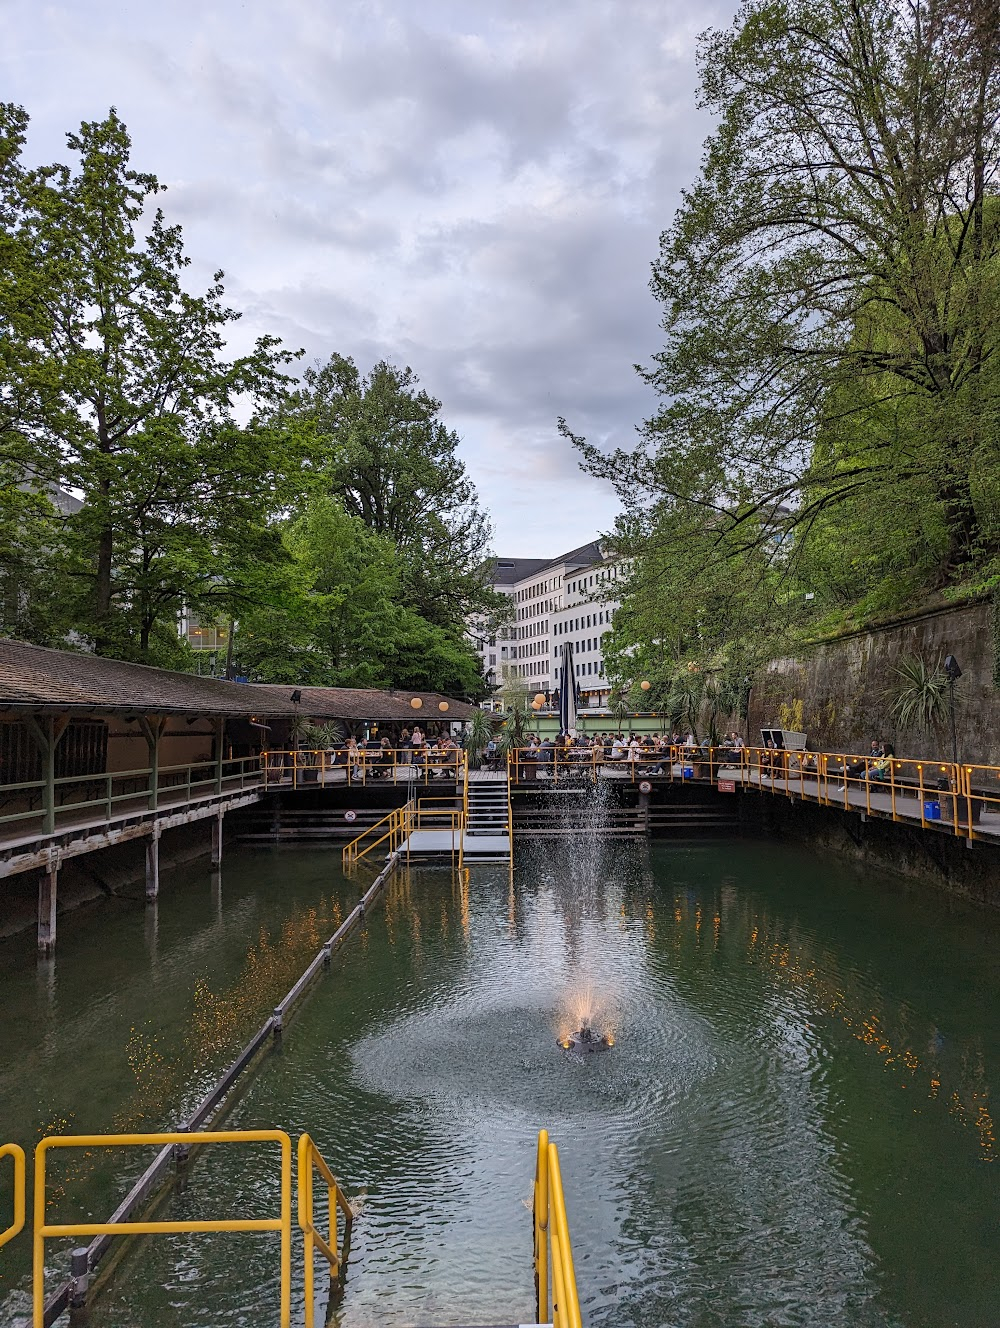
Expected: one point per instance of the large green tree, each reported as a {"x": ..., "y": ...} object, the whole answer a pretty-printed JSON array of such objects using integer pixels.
[
  {"x": 830, "y": 305},
  {"x": 348, "y": 623},
  {"x": 391, "y": 462},
  {"x": 130, "y": 402}
]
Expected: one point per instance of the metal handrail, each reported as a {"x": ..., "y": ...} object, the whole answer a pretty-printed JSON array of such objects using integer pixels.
[
  {"x": 16, "y": 1153},
  {"x": 552, "y": 1247},
  {"x": 310, "y": 1159},
  {"x": 395, "y": 829},
  {"x": 43, "y": 1230},
  {"x": 283, "y": 766},
  {"x": 910, "y": 784}
]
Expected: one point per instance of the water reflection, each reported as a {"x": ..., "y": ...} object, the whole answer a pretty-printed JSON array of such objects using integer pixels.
[{"x": 792, "y": 1128}]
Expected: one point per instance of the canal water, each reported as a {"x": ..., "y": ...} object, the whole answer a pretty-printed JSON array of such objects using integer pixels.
[{"x": 794, "y": 1125}]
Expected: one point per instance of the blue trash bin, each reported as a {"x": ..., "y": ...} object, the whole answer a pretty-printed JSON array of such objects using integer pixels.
[{"x": 932, "y": 811}]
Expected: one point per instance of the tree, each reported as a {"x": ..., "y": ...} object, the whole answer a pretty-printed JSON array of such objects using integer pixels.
[
  {"x": 393, "y": 465},
  {"x": 830, "y": 292},
  {"x": 137, "y": 411},
  {"x": 346, "y": 622}
]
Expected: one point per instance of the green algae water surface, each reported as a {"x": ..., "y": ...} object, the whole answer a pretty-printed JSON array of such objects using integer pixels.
[{"x": 795, "y": 1125}]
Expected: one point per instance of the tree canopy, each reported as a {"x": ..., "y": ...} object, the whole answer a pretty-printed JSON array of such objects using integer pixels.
[
  {"x": 830, "y": 290},
  {"x": 331, "y": 517}
]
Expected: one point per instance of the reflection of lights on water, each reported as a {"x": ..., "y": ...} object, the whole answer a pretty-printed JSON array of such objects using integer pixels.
[
  {"x": 868, "y": 1030},
  {"x": 789, "y": 967}
]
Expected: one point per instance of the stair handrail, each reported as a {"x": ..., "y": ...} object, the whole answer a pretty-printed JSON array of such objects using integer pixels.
[
  {"x": 310, "y": 1160},
  {"x": 395, "y": 831},
  {"x": 552, "y": 1242}
]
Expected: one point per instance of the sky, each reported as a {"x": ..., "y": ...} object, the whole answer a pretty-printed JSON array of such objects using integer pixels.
[{"x": 473, "y": 189}]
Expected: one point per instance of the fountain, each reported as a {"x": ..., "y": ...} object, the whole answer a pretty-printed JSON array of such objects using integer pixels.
[{"x": 585, "y": 1041}]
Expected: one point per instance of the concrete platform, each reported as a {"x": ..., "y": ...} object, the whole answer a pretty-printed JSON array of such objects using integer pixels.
[{"x": 438, "y": 843}]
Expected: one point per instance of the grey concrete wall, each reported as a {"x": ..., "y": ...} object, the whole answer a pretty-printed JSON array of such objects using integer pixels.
[{"x": 839, "y": 689}]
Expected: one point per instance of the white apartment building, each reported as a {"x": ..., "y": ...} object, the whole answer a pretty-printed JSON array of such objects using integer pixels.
[{"x": 569, "y": 598}]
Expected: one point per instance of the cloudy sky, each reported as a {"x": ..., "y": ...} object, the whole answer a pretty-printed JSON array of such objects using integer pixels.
[{"x": 474, "y": 189}]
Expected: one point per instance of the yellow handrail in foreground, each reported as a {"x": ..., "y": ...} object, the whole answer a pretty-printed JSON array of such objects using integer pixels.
[
  {"x": 309, "y": 1158},
  {"x": 552, "y": 1239},
  {"x": 17, "y": 1154},
  {"x": 282, "y": 1223}
]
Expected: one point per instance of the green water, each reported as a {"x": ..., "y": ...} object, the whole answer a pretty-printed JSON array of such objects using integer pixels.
[{"x": 794, "y": 1126}]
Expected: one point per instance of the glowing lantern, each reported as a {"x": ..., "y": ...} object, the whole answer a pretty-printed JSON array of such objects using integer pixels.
[
  {"x": 416, "y": 703},
  {"x": 645, "y": 686},
  {"x": 442, "y": 706}
]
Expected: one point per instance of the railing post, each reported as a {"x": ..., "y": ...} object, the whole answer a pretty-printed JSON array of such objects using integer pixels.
[
  {"x": 541, "y": 1215},
  {"x": 220, "y": 752},
  {"x": 151, "y": 730},
  {"x": 79, "y": 1272}
]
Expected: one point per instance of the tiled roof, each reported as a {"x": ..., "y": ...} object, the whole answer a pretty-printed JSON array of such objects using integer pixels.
[
  {"x": 365, "y": 703},
  {"x": 32, "y": 677},
  {"x": 508, "y": 570}
]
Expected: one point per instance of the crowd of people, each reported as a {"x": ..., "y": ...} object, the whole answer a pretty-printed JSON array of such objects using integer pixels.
[
  {"x": 645, "y": 754},
  {"x": 376, "y": 758}
]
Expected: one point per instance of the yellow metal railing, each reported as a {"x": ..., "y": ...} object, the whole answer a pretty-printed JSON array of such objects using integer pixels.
[
  {"x": 44, "y": 1231},
  {"x": 421, "y": 816},
  {"x": 391, "y": 830},
  {"x": 303, "y": 767},
  {"x": 17, "y": 1155},
  {"x": 553, "y": 1254},
  {"x": 310, "y": 1160},
  {"x": 939, "y": 794},
  {"x": 553, "y": 1251}
]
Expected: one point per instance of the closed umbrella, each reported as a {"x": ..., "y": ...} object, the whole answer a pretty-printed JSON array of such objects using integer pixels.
[{"x": 567, "y": 690}]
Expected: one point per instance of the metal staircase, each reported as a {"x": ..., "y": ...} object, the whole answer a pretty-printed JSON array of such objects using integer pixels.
[{"x": 487, "y": 817}]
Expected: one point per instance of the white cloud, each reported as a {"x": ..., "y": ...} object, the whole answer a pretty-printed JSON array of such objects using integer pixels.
[{"x": 474, "y": 190}]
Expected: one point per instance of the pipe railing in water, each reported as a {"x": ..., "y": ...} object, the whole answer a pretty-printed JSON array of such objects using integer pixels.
[{"x": 310, "y": 1160}]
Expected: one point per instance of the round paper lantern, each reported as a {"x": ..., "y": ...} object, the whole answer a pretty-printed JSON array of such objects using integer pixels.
[
  {"x": 536, "y": 705},
  {"x": 416, "y": 703},
  {"x": 645, "y": 686},
  {"x": 540, "y": 698},
  {"x": 442, "y": 706}
]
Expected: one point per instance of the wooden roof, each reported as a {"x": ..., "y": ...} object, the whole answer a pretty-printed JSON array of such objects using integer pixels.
[{"x": 36, "y": 679}]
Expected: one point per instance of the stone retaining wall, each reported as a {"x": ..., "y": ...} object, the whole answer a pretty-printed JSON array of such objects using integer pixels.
[{"x": 838, "y": 691}]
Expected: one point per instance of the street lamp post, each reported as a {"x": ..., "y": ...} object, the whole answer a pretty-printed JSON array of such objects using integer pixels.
[{"x": 952, "y": 672}]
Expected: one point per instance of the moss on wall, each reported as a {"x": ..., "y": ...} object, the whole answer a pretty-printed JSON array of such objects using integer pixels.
[{"x": 843, "y": 686}]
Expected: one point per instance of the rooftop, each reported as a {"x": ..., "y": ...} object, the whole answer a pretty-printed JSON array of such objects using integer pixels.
[{"x": 36, "y": 679}]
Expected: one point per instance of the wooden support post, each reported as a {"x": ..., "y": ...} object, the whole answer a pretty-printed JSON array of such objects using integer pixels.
[
  {"x": 153, "y": 864},
  {"x": 47, "y": 901},
  {"x": 217, "y": 840},
  {"x": 220, "y": 752},
  {"x": 152, "y": 730},
  {"x": 47, "y": 734}
]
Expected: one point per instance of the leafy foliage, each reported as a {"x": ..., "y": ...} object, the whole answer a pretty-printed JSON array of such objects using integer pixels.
[
  {"x": 830, "y": 289},
  {"x": 337, "y": 524},
  {"x": 919, "y": 698}
]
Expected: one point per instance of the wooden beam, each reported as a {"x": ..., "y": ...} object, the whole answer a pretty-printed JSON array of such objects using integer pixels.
[{"x": 47, "y": 905}]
